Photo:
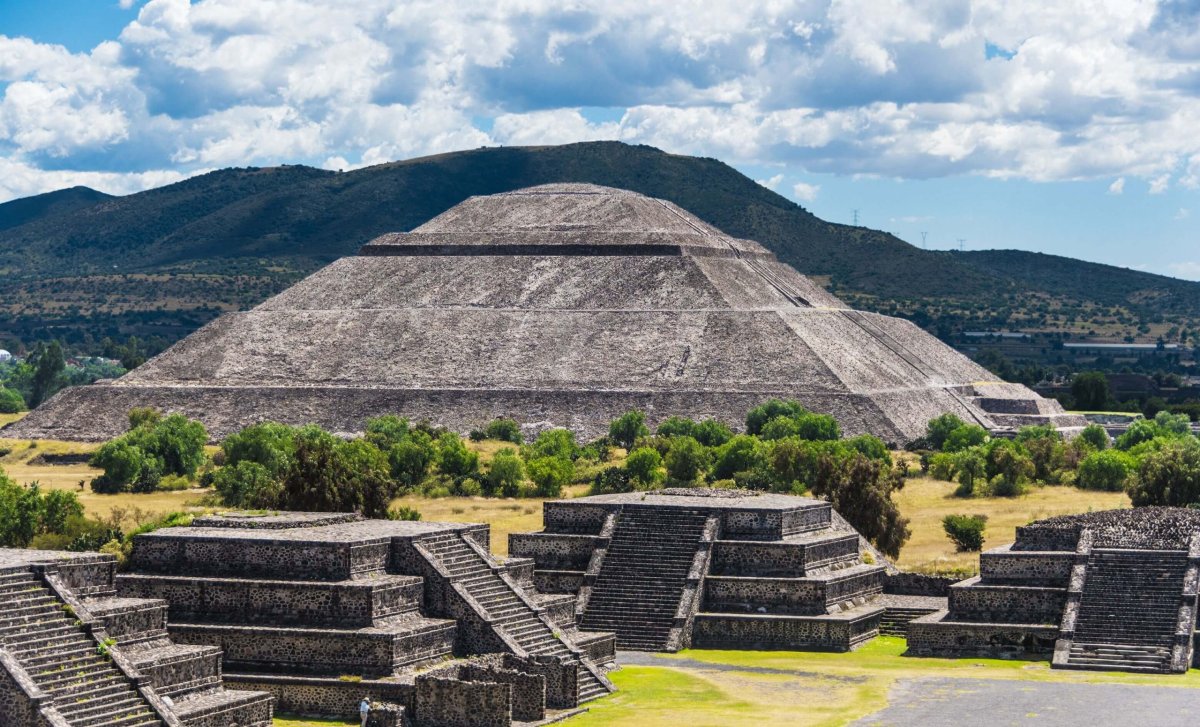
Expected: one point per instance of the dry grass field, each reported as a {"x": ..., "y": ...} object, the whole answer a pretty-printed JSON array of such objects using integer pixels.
[{"x": 924, "y": 501}]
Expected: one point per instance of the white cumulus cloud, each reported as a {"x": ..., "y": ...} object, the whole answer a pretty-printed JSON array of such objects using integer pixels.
[{"x": 805, "y": 192}]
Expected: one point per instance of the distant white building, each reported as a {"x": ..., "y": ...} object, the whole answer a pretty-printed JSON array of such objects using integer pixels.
[{"x": 5, "y": 356}]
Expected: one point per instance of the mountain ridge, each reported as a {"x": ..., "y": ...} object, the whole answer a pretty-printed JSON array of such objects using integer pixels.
[{"x": 252, "y": 231}]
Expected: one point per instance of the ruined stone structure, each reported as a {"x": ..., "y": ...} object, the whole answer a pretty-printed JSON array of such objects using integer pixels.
[
  {"x": 675, "y": 568},
  {"x": 561, "y": 305},
  {"x": 320, "y": 610},
  {"x": 1114, "y": 590},
  {"x": 74, "y": 654}
]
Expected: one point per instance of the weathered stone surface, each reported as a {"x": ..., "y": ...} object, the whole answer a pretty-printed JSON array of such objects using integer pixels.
[{"x": 561, "y": 305}]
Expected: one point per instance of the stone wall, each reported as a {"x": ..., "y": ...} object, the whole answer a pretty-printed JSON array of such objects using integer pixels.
[
  {"x": 323, "y": 696},
  {"x": 450, "y": 703},
  {"x": 732, "y": 557},
  {"x": 971, "y": 601},
  {"x": 215, "y": 556},
  {"x": 553, "y": 551},
  {"x": 20, "y": 698},
  {"x": 916, "y": 584},
  {"x": 783, "y": 632},
  {"x": 1003, "y": 565},
  {"x": 932, "y": 636},
  {"x": 280, "y": 602}
]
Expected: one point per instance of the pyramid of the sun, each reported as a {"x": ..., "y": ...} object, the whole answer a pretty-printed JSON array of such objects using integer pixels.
[{"x": 560, "y": 305}]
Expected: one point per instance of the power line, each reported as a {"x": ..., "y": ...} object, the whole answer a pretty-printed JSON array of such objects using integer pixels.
[
  {"x": 856, "y": 218},
  {"x": 961, "y": 241},
  {"x": 924, "y": 238}
]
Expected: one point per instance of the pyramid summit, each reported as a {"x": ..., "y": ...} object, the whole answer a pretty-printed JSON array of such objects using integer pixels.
[{"x": 558, "y": 305}]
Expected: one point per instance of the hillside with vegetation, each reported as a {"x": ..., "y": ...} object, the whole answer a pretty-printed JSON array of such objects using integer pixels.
[{"x": 78, "y": 265}]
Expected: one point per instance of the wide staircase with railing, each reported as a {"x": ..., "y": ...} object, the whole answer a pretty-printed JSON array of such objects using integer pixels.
[
  {"x": 644, "y": 574},
  {"x": 1129, "y": 610},
  {"x": 43, "y": 635},
  {"x": 506, "y": 610}
]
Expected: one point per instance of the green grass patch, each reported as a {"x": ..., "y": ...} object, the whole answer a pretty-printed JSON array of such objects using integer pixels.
[{"x": 702, "y": 688}]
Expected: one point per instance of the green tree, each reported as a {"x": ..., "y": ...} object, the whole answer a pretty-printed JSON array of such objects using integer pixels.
[
  {"x": 860, "y": 489},
  {"x": 968, "y": 435},
  {"x": 686, "y": 459},
  {"x": 644, "y": 465},
  {"x": 248, "y": 484},
  {"x": 122, "y": 463},
  {"x": 1090, "y": 390},
  {"x": 11, "y": 401},
  {"x": 712, "y": 433},
  {"x": 965, "y": 531},
  {"x": 269, "y": 444},
  {"x": 1105, "y": 470},
  {"x": 970, "y": 466},
  {"x": 553, "y": 443},
  {"x": 743, "y": 453},
  {"x": 386, "y": 431},
  {"x": 675, "y": 427},
  {"x": 453, "y": 457},
  {"x": 758, "y": 417},
  {"x": 550, "y": 475},
  {"x": 1095, "y": 437},
  {"x": 411, "y": 459},
  {"x": 628, "y": 428},
  {"x": 504, "y": 430},
  {"x": 48, "y": 364},
  {"x": 1169, "y": 476},
  {"x": 939, "y": 428},
  {"x": 505, "y": 474}
]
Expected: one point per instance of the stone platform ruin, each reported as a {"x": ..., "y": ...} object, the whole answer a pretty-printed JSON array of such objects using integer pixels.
[
  {"x": 73, "y": 653},
  {"x": 320, "y": 610},
  {"x": 1113, "y": 590},
  {"x": 561, "y": 305},
  {"x": 679, "y": 568}
]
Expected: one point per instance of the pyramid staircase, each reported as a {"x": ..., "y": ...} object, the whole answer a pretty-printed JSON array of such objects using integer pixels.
[
  {"x": 641, "y": 583},
  {"x": 895, "y": 620},
  {"x": 1129, "y": 610},
  {"x": 41, "y": 632},
  {"x": 508, "y": 611}
]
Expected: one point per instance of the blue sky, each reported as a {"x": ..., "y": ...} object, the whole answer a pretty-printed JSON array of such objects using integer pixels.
[{"x": 1070, "y": 127}]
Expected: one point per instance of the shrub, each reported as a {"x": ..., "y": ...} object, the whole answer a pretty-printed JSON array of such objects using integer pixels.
[
  {"x": 269, "y": 444},
  {"x": 1139, "y": 431},
  {"x": 805, "y": 425},
  {"x": 611, "y": 480},
  {"x": 939, "y": 428},
  {"x": 686, "y": 459},
  {"x": 1008, "y": 468},
  {"x": 143, "y": 416},
  {"x": 505, "y": 474},
  {"x": 468, "y": 487},
  {"x": 970, "y": 466},
  {"x": 712, "y": 433},
  {"x": 1105, "y": 470},
  {"x": 627, "y": 428},
  {"x": 504, "y": 430},
  {"x": 1095, "y": 437},
  {"x": 643, "y": 466},
  {"x": 453, "y": 457},
  {"x": 122, "y": 463},
  {"x": 1090, "y": 390},
  {"x": 409, "y": 461},
  {"x": 968, "y": 435},
  {"x": 386, "y": 431},
  {"x": 553, "y": 443},
  {"x": 758, "y": 417},
  {"x": 941, "y": 466},
  {"x": 248, "y": 485},
  {"x": 860, "y": 489},
  {"x": 1170, "y": 476},
  {"x": 403, "y": 513},
  {"x": 11, "y": 401},
  {"x": 743, "y": 453},
  {"x": 676, "y": 427},
  {"x": 871, "y": 447},
  {"x": 965, "y": 531},
  {"x": 550, "y": 475}
]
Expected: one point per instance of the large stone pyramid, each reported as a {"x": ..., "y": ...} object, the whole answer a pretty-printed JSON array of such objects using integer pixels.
[{"x": 561, "y": 305}]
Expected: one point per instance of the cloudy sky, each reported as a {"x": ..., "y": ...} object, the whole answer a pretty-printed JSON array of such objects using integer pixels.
[{"x": 1069, "y": 127}]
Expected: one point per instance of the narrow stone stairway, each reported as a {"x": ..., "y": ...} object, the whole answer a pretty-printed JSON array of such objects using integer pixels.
[
  {"x": 507, "y": 610},
  {"x": 1129, "y": 610},
  {"x": 643, "y": 576},
  {"x": 42, "y": 634}
]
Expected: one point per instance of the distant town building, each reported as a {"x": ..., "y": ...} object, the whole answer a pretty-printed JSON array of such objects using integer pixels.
[{"x": 5, "y": 356}]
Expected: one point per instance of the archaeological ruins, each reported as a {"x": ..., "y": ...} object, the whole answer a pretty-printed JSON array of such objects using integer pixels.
[
  {"x": 1113, "y": 590},
  {"x": 561, "y": 305}
]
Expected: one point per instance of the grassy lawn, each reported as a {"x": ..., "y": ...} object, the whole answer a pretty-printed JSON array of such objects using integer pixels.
[
  {"x": 285, "y": 721},
  {"x": 731, "y": 688},
  {"x": 926, "y": 501}
]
